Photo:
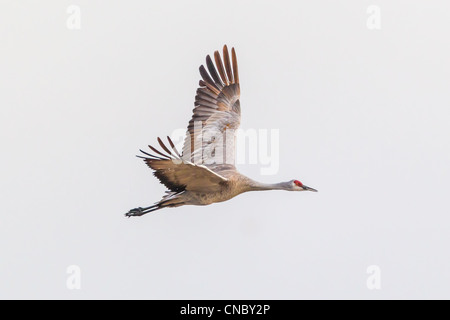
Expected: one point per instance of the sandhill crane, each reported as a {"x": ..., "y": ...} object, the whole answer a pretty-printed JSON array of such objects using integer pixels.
[{"x": 192, "y": 178}]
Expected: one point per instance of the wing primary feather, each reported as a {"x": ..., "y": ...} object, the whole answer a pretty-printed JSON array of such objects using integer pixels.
[
  {"x": 213, "y": 72},
  {"x": 235, "y": 66},
  {"x": 164, "y": 146},
  {"x": 210, "y": 87},
  {"x": 226, "y": 60},
  {"x": 206, "y": 77},
  {"x": 150, "y": 155},
  {"x": 160, "y": 153},
  {"x": 172, "y": 145},
  {"x": 219, "y": 65}
]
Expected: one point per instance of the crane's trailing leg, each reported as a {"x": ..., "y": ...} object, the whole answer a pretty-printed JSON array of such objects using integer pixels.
[
  {"x": 170, "y": 200},
  {"x": 137, "y": 212}
]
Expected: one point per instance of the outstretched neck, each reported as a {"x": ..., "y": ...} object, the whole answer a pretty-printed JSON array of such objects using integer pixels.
[{"x": 258, "y": 186}]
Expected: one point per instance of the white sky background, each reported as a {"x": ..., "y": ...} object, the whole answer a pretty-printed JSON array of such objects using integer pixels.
[{"x": 363, "y": 116}]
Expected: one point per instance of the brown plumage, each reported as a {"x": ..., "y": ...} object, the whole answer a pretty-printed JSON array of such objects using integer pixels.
[{"x": 204, "y": 172}]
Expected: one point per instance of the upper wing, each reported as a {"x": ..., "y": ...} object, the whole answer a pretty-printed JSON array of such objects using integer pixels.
[
  {"x": 211, "y": 132},
  {"x": 178, "y": 174}
]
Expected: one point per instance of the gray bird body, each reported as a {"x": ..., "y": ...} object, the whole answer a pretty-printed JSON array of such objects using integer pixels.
[
  {"x": 232, "y": 188},
  {"x": 205, "y": 172},
  {"x": 236, "y": 186}
]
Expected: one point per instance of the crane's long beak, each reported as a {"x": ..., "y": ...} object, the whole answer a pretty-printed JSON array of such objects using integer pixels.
[{"x": 309, "y": 189}]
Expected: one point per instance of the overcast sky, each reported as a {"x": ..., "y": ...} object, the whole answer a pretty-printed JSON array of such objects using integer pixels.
[{"x": 362, "y": 106}]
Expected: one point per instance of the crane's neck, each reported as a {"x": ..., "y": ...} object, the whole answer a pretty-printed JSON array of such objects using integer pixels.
[{"x": 259, "y": 186}]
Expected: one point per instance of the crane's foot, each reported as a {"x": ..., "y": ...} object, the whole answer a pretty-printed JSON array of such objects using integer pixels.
[{"x": 136, "y": 212}]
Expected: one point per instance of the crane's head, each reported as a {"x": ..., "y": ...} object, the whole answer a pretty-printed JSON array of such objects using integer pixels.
[{"x": 298, "y": 186}]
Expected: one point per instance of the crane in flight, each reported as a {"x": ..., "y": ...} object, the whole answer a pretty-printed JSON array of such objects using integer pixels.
[{"x": 205, "y": 172}]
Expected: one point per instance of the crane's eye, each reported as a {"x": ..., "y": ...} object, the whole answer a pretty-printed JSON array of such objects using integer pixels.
[{"x": 298, "y": 183}]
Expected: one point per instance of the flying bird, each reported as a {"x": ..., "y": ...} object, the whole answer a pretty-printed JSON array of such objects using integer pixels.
[{"x": 197, "y": 176}]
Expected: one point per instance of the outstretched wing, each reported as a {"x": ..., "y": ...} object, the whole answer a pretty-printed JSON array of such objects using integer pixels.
[
  {"x": 178, "y": 174},
  {"x": 210, "y": 139}
]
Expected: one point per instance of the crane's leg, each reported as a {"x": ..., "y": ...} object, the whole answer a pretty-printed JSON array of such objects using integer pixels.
[
  {"x": 137, "y": 212},
  {"x": 170, "y": 201}
]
